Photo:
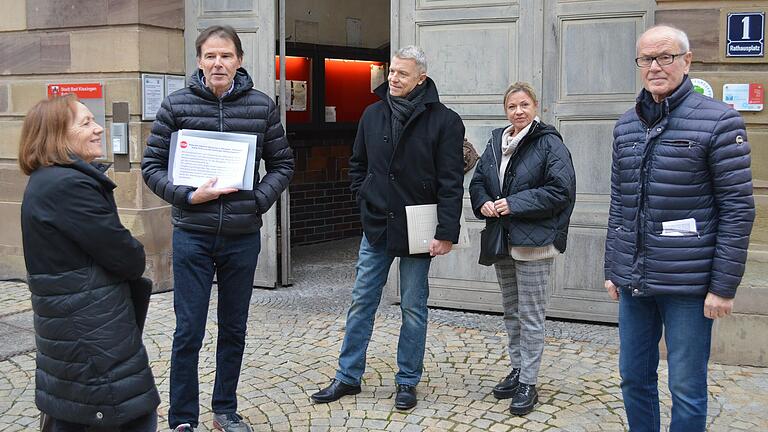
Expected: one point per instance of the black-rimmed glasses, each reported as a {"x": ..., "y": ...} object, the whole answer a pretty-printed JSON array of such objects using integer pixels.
[{"x": 661, "y": 60}]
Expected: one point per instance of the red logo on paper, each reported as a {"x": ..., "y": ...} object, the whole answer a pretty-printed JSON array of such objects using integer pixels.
[
  {"x": 83, "y": 91},
  {"x": 183, "y": 144},
  {"x": 756, "y": 94}
]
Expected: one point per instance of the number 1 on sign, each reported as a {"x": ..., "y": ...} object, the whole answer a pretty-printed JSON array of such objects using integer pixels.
[{"x": 745, "y": 28}]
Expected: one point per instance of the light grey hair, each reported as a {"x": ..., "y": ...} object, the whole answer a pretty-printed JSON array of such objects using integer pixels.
[
  {"x": 414, "y": 53},
  {"x": 679, "y": 35}
]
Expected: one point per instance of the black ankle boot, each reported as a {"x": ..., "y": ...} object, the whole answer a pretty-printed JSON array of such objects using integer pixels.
[
  {"x": 524, "y": 399},
  {"x": 406, "y": 397},
  {"x": 507, "y": 387}
]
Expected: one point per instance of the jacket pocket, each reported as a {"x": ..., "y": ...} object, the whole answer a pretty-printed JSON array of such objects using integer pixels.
[
  {"x": 680, "y": 143},
  {"x": 366, "y": 183}
]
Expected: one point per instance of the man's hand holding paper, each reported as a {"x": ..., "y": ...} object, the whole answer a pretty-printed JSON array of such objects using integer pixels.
[{"x": 208, "y": 191}]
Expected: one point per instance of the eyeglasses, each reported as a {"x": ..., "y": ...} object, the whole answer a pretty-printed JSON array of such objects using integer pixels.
[{"x": 661, "y": 60}]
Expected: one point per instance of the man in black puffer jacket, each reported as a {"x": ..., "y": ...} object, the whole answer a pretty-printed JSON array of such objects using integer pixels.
[
  {"x": 215, "y": 229},
  {"x": 678, "y": 230}
]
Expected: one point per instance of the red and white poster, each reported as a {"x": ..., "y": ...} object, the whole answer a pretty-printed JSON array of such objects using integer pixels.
[{"x": 82, "y": 91}]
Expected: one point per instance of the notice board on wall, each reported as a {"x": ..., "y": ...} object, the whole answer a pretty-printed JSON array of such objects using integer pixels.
[{"x": 298, "y": 88}]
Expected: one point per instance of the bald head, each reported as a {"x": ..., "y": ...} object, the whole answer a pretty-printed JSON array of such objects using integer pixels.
[{"x": 668, "y": 32}]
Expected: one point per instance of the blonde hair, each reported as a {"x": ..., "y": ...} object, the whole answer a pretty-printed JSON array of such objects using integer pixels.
[
  {"x": 44, "y": 133},
  {"x": 521, "y": 86}
]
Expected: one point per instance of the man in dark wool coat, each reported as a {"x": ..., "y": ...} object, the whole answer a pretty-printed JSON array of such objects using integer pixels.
[{"x": 408, "y": 151}]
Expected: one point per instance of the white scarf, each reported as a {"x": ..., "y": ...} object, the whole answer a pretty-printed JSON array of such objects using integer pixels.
[{"x": 509, "y": 145}]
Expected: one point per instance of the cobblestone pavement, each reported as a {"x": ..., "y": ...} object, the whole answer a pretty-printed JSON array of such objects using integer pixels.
[{"x": 293, "y": 341}]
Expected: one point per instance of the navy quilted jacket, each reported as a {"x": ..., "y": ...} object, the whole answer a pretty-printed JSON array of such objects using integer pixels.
[
  {"x": 540, "y": 187},
  {"x": 693, "y": 163},
  {"x": 243, "y": 110}
]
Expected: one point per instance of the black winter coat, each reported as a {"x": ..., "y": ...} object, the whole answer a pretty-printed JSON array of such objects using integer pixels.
[
  {"x": 693, "y": 163},
  {"x": 245, "y": 110},
  {"x": 425, "y": 167},
  {"x": 539, "y": 184},
  {"x": 92, "y": 367}
]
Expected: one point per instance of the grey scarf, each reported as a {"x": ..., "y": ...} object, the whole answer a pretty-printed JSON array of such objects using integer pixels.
[{"x": 403, "y": 108}]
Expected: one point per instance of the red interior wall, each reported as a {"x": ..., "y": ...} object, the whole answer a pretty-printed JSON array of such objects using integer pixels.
[
  {"x": 348, "y": 88},
  {"x": 299, "y": 69}
]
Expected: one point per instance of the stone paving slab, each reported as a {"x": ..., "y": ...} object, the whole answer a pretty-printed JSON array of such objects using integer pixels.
[{"x": 292, "y": 345}]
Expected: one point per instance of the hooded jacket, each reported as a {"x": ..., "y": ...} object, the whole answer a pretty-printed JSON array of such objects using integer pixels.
[
  {"x": 691, "y": 162},
  {"x": 426, "y": 166},
  {"x": 243, "y": 110},
  {"x": 92, "y": 367},
  {"x": 539, "y": 185}
]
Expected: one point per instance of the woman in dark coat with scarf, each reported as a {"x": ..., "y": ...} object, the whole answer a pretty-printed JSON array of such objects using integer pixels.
[
  {"x": 92, "y": 368},
  {"x": 525, "y": 182}
]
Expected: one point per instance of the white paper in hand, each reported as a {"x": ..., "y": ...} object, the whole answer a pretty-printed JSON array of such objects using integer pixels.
[
  {"x": 198, "y": 159},
  {"x": 678, "y": 228},
  {"x": 422, "y": 223}
]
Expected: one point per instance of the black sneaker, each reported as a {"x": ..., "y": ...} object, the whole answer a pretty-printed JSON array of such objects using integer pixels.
[
  {"x": 524, "y": 400},
  {"x": 507, "y": 387},
  {"x": 230, "y": 422}
]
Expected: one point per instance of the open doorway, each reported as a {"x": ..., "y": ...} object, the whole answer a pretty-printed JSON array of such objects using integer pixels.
[{"x": 336, "y": 54}]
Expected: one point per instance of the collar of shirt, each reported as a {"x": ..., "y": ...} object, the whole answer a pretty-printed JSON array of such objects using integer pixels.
[{"x": 226, "y": 93}]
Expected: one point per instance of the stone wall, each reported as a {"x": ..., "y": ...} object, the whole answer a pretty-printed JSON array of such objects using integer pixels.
[
  {"x": 743, "y": 337},
  {"x": 70, "y": 41}
]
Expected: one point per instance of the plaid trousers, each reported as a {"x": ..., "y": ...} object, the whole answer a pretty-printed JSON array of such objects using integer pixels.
[{"x": 524, "y": 286}]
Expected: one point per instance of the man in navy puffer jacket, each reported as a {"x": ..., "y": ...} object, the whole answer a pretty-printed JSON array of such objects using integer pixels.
[{"x": 678, "y": 230}]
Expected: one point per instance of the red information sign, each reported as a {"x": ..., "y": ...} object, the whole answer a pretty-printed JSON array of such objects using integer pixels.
[
  {"x": 756, "y": 93},
  {"x": 83, "y": 91}
]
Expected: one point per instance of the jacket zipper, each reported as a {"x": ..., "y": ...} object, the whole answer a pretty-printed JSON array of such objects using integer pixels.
[
  {"x": 221, "y": 199},
  {"x": 641, "y": 204}
]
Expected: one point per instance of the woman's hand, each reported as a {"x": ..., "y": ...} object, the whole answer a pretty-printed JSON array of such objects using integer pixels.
[
  {"x": 488, "y": 209},
  {"x": 501, "y": 206}
]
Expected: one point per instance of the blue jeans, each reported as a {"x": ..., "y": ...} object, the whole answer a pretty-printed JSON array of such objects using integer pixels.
[
  {"x": 687, "y": 333},
  {"x": 372, "y": 268},
  {"x": 196, "y": 257}
]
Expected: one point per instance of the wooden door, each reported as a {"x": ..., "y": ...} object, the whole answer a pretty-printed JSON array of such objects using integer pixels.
[{"x": 589, "y": 80}]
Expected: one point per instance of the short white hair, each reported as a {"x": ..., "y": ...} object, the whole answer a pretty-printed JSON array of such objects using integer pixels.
[
  {"x": 679, "y": 35},
  {"x": 414, "y": 53}
]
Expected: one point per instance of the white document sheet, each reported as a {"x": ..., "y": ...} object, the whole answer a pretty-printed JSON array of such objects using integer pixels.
[
  {"x": 677, "y": 228},
  {"x": 198, "y": 159},
  {"x": 422, "y": 223}
]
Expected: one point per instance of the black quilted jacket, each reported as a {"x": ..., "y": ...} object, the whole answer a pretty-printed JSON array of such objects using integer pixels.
[
  {"x": 693, "y": 163},
  {"x": 539, "y": 184},
  {"x": 92, "y": 367},
  {"x": 244, "y": 110}
]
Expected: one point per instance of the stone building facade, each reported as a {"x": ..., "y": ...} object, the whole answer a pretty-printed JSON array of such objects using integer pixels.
[{"x": 114, "y": 41}]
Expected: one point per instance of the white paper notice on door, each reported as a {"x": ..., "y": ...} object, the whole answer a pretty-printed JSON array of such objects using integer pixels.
[
  {"x": 422, "y": 223},
  {"x": 677, "y": 228}
]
